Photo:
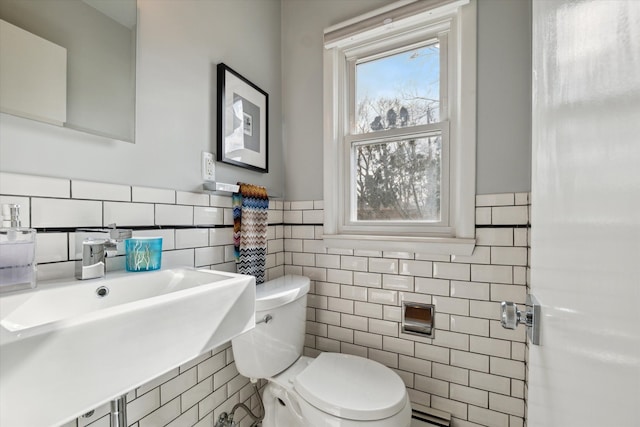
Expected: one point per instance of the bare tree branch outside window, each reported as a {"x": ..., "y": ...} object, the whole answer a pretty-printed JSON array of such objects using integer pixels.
[{"x": 399, "y": 180}]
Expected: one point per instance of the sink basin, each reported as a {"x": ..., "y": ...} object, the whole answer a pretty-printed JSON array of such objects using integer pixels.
[{"x": 68, "y": 347}]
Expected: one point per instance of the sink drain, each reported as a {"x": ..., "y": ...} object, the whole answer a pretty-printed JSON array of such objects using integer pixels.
[{"x": 102, "y": 291}]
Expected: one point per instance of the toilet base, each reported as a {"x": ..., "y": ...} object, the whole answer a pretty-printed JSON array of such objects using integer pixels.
[
  {"x": 284, "y": 407},
  {"x": 277, "y": 411}
]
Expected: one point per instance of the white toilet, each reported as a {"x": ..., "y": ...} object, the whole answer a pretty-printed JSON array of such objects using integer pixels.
[{"x": 332, "y": 390}]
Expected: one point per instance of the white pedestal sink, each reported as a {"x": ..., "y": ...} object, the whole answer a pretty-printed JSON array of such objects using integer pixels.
[{"x": 65, "y": 350}]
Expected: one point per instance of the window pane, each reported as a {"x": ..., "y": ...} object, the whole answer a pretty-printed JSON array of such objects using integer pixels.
[
  {"x": 399, "y": 180},
  {"x": 398, "y": 90}
]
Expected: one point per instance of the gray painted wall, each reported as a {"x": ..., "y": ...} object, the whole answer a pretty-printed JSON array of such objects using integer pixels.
[
  {"x": 504, "y": 101},
  {"x": 280, "y": 50},
  {"x": 504, "y": 96},
  {"x": 179, "y": 44},
  {"x": 303, "y": 23}
]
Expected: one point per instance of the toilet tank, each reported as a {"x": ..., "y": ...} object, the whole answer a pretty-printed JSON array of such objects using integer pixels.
[{"x": 274, "y": 345}]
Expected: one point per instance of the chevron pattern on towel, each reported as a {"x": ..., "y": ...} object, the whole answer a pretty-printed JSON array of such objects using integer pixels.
[{"x": 250, "y": 222}]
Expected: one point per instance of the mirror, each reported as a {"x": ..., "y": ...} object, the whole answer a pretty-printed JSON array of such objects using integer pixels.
[{"x": 100, "y": 41}]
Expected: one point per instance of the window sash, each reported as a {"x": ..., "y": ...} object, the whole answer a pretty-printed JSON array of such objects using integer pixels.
[
  {"x": 412, "y": 227},
  {"x": 347, "y": 205},
  {"x": 441, "y": 37}
]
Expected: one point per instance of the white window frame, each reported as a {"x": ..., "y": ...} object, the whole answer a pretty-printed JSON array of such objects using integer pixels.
[{"x": 453, "y": 23}]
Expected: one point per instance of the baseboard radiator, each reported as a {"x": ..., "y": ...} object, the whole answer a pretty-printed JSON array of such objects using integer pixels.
[{"x": 429, "y": 417}]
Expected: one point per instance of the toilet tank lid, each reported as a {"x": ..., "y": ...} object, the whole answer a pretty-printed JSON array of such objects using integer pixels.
[{"x": 278, "y": 292}]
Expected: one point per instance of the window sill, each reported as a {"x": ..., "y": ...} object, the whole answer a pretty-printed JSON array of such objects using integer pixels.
[{"x": 430, "y": 245}]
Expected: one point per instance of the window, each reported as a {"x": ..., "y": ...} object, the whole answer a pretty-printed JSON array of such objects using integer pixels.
[
  {"x": 400, "y": 139},
  {"x": 397, "y": 144}
]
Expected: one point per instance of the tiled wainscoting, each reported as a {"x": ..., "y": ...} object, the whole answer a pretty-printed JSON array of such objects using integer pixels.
[
  {"x": 472, "y": 368},
  {"x": 197, "y": 230},
  {"x": 194, "y": 394}
]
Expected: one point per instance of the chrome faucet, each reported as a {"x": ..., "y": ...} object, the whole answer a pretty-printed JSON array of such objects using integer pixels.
[{"x": 93, "y": 246}]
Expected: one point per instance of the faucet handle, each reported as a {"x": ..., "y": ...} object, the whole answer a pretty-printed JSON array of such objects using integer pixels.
[{"x": 119, "y": 233}]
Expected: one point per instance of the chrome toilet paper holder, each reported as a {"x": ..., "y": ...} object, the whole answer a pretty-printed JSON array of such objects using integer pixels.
[{"x": 418, "y": 319}]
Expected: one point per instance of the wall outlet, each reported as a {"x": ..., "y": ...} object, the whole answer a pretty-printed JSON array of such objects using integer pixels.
[{"x": 208, "y": 167}]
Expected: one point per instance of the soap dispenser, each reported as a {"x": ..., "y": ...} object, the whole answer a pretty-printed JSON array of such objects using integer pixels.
[{"x": 17, "y": 252}]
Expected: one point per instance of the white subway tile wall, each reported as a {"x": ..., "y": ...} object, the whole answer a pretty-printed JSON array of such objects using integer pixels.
[
  {"x": 208, "y": 215},
  {"x": 194, "y": 394},
  {"x": 202, "y": 245},
  {"x": 51, "y": 247},
  {"x": 17, "y": 185},
  {"x": 126, "y": 214},
  {"x": 187, "y": 198},
  {"x": 472, "y": 368},
  {"x": 100, "y": 191},
  {"x": 152, "y": 195},
  {"x": 50, "y": 213},
  {"x": 174, "y": 215}
]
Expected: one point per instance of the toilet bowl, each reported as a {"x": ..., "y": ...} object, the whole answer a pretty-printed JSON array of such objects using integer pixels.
[{"x": 332, "y": 390}]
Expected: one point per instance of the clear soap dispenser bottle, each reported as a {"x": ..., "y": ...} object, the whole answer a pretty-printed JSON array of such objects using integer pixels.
[{"x": 17, "y": 252}]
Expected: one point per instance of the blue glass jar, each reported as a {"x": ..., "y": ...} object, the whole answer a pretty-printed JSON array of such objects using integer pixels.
[{"x": 143, "y": 253}]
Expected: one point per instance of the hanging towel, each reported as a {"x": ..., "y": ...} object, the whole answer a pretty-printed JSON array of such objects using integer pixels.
[{"x": 250, "y": 221}]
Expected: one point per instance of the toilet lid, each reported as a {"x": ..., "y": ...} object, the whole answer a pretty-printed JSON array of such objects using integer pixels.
[{"x": 351, "y": 387}]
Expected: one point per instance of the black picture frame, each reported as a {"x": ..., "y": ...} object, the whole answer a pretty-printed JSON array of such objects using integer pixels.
[{"x": 243, "y": 121}]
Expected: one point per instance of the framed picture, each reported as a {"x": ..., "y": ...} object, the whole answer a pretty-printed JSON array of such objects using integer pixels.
[{"x": 243, "y": 115}]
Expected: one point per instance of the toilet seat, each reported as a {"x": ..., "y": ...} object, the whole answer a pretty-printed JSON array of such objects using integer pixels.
[
  {"x": 297, "y": 412},
  {"x": 351, "y": 387}
]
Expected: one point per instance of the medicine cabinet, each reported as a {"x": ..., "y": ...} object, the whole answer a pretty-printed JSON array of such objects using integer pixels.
[{"x": 99, "y": 38}]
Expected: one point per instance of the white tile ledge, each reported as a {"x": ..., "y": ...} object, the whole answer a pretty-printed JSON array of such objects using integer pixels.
[{"x": 431, "y": 245}]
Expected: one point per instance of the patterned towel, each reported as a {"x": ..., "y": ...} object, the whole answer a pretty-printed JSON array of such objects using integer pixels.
[{"x": 250, "y": 213}]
